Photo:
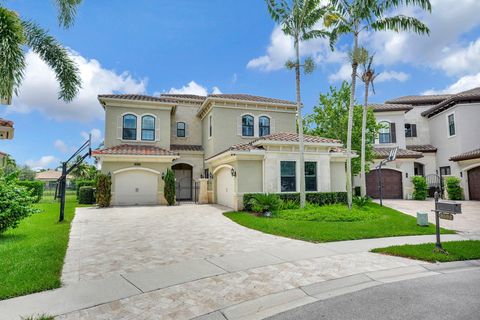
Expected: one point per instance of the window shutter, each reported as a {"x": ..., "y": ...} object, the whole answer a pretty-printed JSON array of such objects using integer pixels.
[
  {"x": 272, "y": 125},
  {"x": 119, "y": 127},
  {"x": 239, "y": 126},
  {"x": 414, "y": 130},
  {"x": 393, "y": 133}
]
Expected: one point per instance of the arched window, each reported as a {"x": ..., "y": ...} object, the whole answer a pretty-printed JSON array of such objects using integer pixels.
[
  {"x": 263, "y": 126},
  {"x": 180, "y": 129},
  {"x": 247, "y": 126},
  {"x": 384, "y": 132},
  {"x": 148, "y": 128},
  {"x": 129, "y": 127}
]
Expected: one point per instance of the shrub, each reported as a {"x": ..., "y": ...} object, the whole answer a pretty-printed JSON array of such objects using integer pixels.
[
  {"x": 420, "y": 188},
  {"x": 104, "y": 190},
  {"x": 35, "y": 188},
  {"x": 289, "y": 205},
  {"x": 16, "y": 203},
  {"x": 169, "y": 189},
  {"x": 84, "y": 183},
  {"x": 455, "y": 192},
  {"x": 261, "y": 202},
  {"x": 86, "y": 196},
  {"x": 318, "y": 198},
  {"x": 360, "y": 201}
]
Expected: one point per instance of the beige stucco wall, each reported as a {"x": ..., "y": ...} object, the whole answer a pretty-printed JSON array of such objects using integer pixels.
[
  {"x": 188, "y": 114},
  {"x": 249, "y": 176},
  {"x": 338, "y": 177},
  {"x": 414, "y": 116},
  {"x": 226, "y": 123},
  {"x": 113, "y": 118},
  {"x": 429, "y": 162},
  {"x": 397, "y": 117}
]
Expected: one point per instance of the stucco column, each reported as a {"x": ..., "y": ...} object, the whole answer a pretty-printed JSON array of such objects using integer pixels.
[{"x": 203, "y": 191}]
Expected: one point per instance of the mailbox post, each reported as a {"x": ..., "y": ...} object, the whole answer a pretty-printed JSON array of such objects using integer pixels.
[{"x": 443, "y": 210}]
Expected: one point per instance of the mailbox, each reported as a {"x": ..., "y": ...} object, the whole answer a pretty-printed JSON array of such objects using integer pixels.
[{"x": 449, "y": 207}]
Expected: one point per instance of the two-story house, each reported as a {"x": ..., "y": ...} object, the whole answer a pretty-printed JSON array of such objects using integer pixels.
[
  {"x": 242, "y": 143},
  {"x": 437, "y": 136}
]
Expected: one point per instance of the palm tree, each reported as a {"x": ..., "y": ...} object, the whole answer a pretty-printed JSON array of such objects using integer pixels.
[
  {"x": 17, "y": 34},
  {"x": 354, "y": 16},
  {"x": 82, "y": 169},
  {"x": 368, "y": 76},
  {"x": 298, "y": 19}
]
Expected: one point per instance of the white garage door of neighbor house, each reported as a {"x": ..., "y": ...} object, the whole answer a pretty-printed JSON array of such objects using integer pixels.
[
  {"x": 136, "y": 188},
  {"x": 225, "y": 188}
]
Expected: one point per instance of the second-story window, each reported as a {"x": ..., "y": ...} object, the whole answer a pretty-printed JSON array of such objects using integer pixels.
[
  {"x": 148, "y": 128},
  {"x": 451, "y": 125},
  {"x": 384, "y": 135},
  {"x": 247, "y": 126},
  {"x": 410, "y": 130},
  {"x": 263, "y": 126},
  {"x": 129, "y": 127},
  {"x": 181, "y": 129}
]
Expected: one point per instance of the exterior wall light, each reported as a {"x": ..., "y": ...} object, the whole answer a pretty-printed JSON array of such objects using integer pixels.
[
  {"x": 233, "y": 172},
  {"x": 163, "y": 175},
  {"x": 210, "y": 175}
]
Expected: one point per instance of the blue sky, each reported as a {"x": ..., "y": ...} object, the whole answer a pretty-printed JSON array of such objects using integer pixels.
[{"x": 233, "y": 46}]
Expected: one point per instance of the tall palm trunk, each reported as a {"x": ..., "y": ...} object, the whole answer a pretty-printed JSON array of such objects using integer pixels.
[
  {"x": 350, "y": 119},
  {"x": 363, "y": 184},
  {"x": 300, "y": 124}
]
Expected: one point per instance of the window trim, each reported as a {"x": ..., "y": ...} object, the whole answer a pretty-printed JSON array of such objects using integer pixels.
[
  {"x": 252, "y": 126},
  {"x": 454, "y": 124},
  {"x": 260, "y": 126},
  {"x": 389, "y": 132},
  {"x": 150, "y": 130},
  {"x": 445, "y": 167},
  {"x": 408, "y": 130},
  {"x": 184, "y": 129},
  {"x": 294, "y": 176},
  {"x": 123, "y": 126}
]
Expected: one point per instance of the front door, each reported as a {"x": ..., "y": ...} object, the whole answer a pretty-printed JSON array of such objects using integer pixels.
[
  {"x": 183, "y": 179},
  {"x": 474, "y": 183}
]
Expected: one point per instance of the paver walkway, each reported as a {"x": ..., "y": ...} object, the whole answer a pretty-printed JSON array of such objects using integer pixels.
[{"x": 186, "y": 261}]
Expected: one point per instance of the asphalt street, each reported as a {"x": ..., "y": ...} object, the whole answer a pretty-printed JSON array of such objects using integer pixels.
[{"x": 446, "y": 296}]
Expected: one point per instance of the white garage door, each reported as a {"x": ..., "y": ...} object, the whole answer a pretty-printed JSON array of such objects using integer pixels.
[
  {"x": 136, "y": 188},
  {"x": 225, "y": 188}
]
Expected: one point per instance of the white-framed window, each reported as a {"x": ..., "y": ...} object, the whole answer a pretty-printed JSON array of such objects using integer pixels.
[
  {"x": 248, "y": 125},
  {"x": 129, "y": 127},
  {"x": 384, "y": 134},
  {"x": 181, "y": 129},
  {"x": 263, "y": 126},
  {"x": 148, "y": 128},
  {"x": 210, "y": 126},
  {"x": 451, "y": 128},
  {"x": 288, "y": 176}
]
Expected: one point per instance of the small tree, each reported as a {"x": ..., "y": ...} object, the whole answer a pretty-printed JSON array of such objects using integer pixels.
[
  {"x": 169, "y": 188},
  {"x": 454, "y": 190},
  {"x": 420, "y": 188},
  {"x": 26, "y": 173},
  {"x": 104, "y": 190}
]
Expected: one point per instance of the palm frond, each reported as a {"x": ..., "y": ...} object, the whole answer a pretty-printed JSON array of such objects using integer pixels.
[
  {"x": 400, "y": 23},
  {"x": 279, "y": 10},
  {"x": 386, "y": 5},
  {"x": 312, "y": 34},
  {"x": 12, "y": 57},
  {"x": 56, "y": 57},
  {"x": 67, "y": 10}
]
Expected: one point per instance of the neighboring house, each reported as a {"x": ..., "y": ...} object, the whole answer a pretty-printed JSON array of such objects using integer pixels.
[
  {"x": 3, "y": 159},
  {"x": 6, "y": 129},
  {"x": 437, "y": 136},
  {"x": 50, "y": 177},
  {"x": 242, "y": 143}
]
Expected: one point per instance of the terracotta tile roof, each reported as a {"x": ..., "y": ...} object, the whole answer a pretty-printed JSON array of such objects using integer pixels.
[
  {"x": 383, "y": 107},
  {"x": 472, "y": 95},
  {"x": 474, "y": 154},
  {"x": 137, "y": 97},
  {"x": 247, "y": 97},
  {"x": 420, "y": 100},
  {"x": 131, "y": 149},
  {"x": 382, "y": 153},
  {"x": 422, "y": 148},
  {"x": 185, "y": 147},
  {"x": 3, "y": 154},
  {"x": 6, "y": 123},
  {"x": 50, "y": 175},
  {"x": 184, "y": 96}
]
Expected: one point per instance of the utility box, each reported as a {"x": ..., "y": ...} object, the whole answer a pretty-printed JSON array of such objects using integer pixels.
[
  {"x": 422, "y": 219},
  {"x": 449, "y": 207}
]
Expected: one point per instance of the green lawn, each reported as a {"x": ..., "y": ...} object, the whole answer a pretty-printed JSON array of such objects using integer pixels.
[
  {"x": 457, "y": 250},
  {"x": 335, "y": 223},
  {"x": 32, "y": 254}
]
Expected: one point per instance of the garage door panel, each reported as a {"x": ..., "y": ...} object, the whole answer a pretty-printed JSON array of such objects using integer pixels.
[
  {"x": 392, "y": 184},
  {"x": 225, "y": 187},
  {"x": 474, "y": 183},
  {"x": 136, "y": 188}
]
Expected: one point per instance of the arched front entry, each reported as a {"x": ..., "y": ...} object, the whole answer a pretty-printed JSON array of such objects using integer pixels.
[
  {"x": 392, "y": 184},
  {"x": 184, "y": 181},
  {"x": 474, "y": 183}
]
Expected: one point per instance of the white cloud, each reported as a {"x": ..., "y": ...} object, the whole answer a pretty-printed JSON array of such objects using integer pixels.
[
  {"x": 392, "y": 75},
  {"x": 216, "y": 90},
  {"x": 464, "y": 83},
  {"x": 43, "y": 163},
  {"x": 60, "y": 145},
  {"x": 193, "y": 88},
  {"x": 344, "y": 73},
  {"x": 39, "y": 89},
  {"x": 96, "y": 135},
  {"x": 462, "y": 60}
]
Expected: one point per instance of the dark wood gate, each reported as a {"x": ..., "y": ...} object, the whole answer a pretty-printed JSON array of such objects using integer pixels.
[
  {"x": 392, "y": 184},
  {"x": 474, "y": 183}
]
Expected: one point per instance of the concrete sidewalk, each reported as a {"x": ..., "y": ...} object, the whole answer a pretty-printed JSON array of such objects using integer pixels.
[{"x": 196, "y": 287}]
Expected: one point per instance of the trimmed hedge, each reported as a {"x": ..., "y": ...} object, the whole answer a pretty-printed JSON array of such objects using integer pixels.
[
  {"x": 86, "y": 195},
  {"x": 84, "y": 183},
  {"x": 318, "y": 198},
  {"x": 420, "y": 188},
  {"x": 454, "y": 190},
  {"x": 35, "y": 188}
]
